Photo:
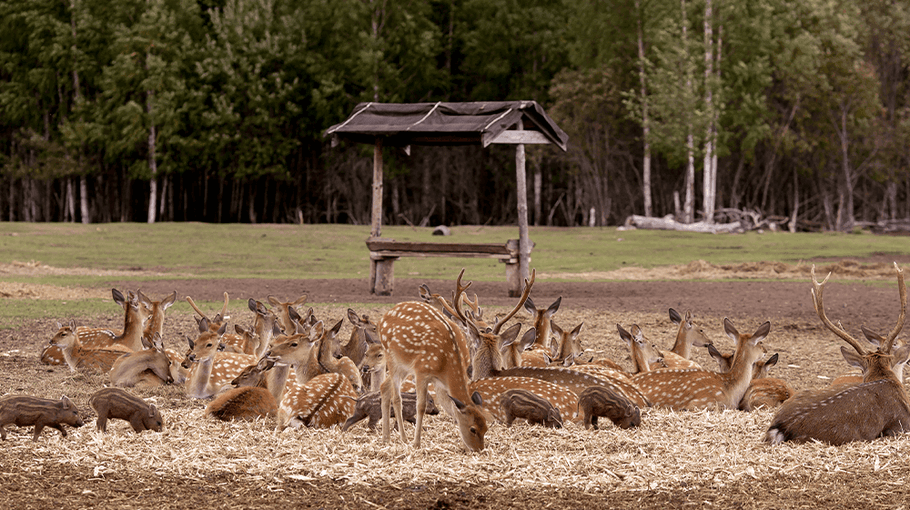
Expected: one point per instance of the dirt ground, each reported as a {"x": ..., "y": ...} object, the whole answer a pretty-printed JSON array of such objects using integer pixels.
[{"x": 807, "y": 349}]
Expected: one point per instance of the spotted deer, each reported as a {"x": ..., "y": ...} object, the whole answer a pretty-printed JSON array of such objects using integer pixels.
[
  {"x": 420, "y": 340},
  {"x": 215, "y": 322},
  {"x": 212, "y": 369},
  {"x": 765, "y": 391},
  {"x": 695, "y": 388},
  {"x": 568, "y": 345},
  {"x": 645, "y": 355},
  {"x": 78, "y": 357},
  {"x": 898, "y": 363},
  {"x": 688, "y": 335},
  {"x": 130, "y": 337},
  {"x": 155, "y": 322},
  {"x": 283, "y": 312},
  {"x": 363, "y": 335},
  {"x": 537, "y": 354},
  {"x": 876, "y": 407},
  {"x": 512, "y": 352},
  {"x": 147, "y": 368}
]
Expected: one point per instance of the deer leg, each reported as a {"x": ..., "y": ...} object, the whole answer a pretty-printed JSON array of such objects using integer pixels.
[
  {"x": 385, "y": 392},
  {"x": 421, "y": 408},
  {"x": 396, "y": 401}
]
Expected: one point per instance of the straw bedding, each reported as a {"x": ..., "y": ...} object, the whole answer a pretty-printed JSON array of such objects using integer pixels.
[{"x": 673, "y": 457}]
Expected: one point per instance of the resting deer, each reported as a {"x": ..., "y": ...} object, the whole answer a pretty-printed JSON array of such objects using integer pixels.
[
  {"x": 318, "y": 400},
  {"x": 78, "y": 357},
  {"x": 146, "y": 368},
  {"x": 283, "y": 312},
  {"x": 695, "y": 388},
  {"x": 688, "y": 335},
  {"x": 765, "y": 391},
  {"x": 212, "y": 369},
  {"x": 568, "y": 345},
  {"x": 540, "y": 350},
  {"x": 362, "y": 336},
  {"x": 420, "y": 340},
  {"x": 898, "y": 363},
  {"x": 853, "y": 412},
  {"x": 130, "y": 337},
  {"x": 155, "y": 322},
  {"x": 215, "y": 322},
  {"x": 644, "y": 354}
]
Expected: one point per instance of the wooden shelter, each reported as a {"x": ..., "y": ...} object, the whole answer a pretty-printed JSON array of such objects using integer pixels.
[{"x": 402, "y": 125}]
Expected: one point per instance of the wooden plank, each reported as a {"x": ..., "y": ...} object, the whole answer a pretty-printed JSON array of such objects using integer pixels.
[
  {"x": 384, "y": 254},
  {"x": 442, "y": 248},
  {"x": 514, "y": 137}
]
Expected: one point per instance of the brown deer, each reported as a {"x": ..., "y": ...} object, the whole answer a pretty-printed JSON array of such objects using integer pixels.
[
  {"x": 645, "y": 355},
  {"x": 155, "y": 322},
  {"x": 78, "y": 357},
  {"x": 129, "y": 337},
  {"x": 212, "y": 369},
  {"x": 853, "y": 412},
  {"x": 362, "y": 336},
  {"x": 215, "y": 322},
  {"x": 695, "y": 388},
  {"x": 284, "y": 312},
  {"x": 243, "y": 403},
  {"x": 420, "y": 340},
  {"x": 147, "y": 368},
  {"x": 321, "y": 402},
  {"x": 568, "y": 345},
  {"x": 765, "y": 391},
  {"x": 688, "y": 335},
  {"x": 540, "y": 350},
  {"x": 898, "y": 363}
]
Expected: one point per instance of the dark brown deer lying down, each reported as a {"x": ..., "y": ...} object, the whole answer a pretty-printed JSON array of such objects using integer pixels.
[
  {"x": 876, "y": 407},
  {"x": 24, "y": 410},
  {"x": 520, "y": 403}
]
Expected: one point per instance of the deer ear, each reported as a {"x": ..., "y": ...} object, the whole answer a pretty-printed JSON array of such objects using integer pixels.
[
  {"x": 477, "y": 399},
  {"x": 352, "y": 316},
  {"x": 530, "y": 308},
  {"x": 222, "y": 329},
  {"x": 624, "y": 334},
  {"x": 772, "y": 360},
  {"x": 554, "y": 307},
  {"x": 527, "y": 339},
  {"x": 457, "y": 403},
  {"x": 675, "y": 317},
  {"x": 168, "y": 301},
  {"x": 852, "y": 358}
]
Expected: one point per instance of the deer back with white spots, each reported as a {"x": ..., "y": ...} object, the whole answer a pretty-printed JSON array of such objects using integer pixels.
[
  {"x": 876, "y": 407},
  {"x": 695, "y": 388}
]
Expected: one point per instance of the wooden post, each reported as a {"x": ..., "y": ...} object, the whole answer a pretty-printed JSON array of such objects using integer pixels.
[
  {"x": 524, "y": 243},
  {"x": 376, "y": 214}
]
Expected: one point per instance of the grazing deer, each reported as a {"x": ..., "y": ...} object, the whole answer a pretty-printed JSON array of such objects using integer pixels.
[
  {"x": 420, "y": 340},
  {"x": 645, "y": 355},
  {"x": 695, "y": 388},
  {"x": 212, "y": 368},
  {"x": 854, "y": 412},
  {"x": 78, "y": 357},
  {"x": 542, "y": 319},
  {"x": 284, "y": 309},
  {"x": 146, "y": 368}
]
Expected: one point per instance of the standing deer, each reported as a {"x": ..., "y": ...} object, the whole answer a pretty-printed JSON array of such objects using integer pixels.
[
  {"x": 853, "y": 412},
  {"x": 420, "y": 340},
  {"x": 362, "y": 337},
  {"x": 695, "y": 388}
]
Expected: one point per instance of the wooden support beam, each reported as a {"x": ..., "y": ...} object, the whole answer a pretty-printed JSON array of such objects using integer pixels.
[
  {"x": 376, "y": 219},
  {"x": 524, "y": 241}
]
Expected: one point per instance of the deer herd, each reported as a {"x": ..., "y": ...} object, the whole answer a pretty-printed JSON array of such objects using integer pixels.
[{"x": 440, "y": 353}]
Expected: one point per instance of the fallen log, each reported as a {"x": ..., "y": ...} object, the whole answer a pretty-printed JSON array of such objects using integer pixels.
[{"x": 668, "y": 223}]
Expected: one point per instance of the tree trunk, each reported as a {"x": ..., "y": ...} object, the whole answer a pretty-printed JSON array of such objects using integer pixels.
[
  {"x": 646, "y": 129},
  {"x": 83, "y": 199},
  {"x": 708, "y": 169}
]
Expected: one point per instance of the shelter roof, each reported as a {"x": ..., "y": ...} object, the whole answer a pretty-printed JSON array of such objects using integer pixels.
[{"x": 442, "y": 123}]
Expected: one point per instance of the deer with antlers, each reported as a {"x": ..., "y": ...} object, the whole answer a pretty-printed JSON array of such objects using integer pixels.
[
  {"x": 876, "y": 407},
  {"x": 420, "y": 340},
  {"x": 695, "y": 388},
  {"x": 212, "y": 368}
]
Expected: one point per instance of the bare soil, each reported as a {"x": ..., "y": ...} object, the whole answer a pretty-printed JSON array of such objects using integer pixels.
[{"x": 809, "y": 356}]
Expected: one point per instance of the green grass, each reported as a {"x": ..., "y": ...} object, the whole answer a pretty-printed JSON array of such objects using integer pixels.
[{"x": 195, "y": 250}]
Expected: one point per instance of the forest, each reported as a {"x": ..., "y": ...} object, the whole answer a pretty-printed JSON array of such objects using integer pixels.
[{"x": 216, "y": 110}]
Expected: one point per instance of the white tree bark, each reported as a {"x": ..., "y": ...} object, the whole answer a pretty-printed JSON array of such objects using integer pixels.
[{"x": 646, "y": 145}]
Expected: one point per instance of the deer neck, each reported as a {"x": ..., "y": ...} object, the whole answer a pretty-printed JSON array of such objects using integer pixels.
[
  {"x": 132, "y": 330},
  {"x": 737, "y": 380},
  {"x": 197, "y": 384},
  {"x": 264, "y": 328},
  {"x": 879, "y": 367},
  {"x": 71, "y": 352},
  {"x": 485, "y": 361},
  {"x": 683, "y": 346},
  {"x": 542, "y": 340},
  {"x": 276, "y": 379}
]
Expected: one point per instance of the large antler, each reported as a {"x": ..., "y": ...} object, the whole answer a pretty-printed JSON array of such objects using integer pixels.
[
  {"x": 817, "y": 301},
  {"x": 521, "y": 303},
  {"x": 889, "y": 341},
  {"x": 457, "y": 297}
]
